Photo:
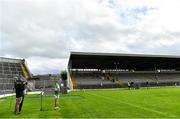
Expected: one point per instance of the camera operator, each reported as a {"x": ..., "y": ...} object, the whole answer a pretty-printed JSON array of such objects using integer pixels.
[{"x": 20, "y": 86}]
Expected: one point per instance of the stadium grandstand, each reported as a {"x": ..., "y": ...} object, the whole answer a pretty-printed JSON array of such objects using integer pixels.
[
  {"x": 8, "y": 69},
  {"x": 108, "y": 70}
]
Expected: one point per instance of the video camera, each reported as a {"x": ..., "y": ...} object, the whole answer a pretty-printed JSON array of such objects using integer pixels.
[{"x": 20, "y": 83}]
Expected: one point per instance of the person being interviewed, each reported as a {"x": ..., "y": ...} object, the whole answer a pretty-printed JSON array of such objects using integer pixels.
[
  {"x": 19, "y": 85},
  {"x": 56, "y": 95}
]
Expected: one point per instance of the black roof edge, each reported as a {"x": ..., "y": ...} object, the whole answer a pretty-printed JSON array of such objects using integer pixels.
[{"x": 123, "y": 54}]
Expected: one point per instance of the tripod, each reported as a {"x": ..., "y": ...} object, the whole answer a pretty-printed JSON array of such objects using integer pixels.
[{"x": 41, "y": 100}]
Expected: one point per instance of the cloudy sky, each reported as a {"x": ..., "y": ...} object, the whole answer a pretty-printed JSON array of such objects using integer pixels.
[{"x": 45, "y": 31}]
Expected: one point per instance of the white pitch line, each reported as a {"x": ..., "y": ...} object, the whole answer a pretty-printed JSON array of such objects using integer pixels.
[
  {"x": 133, "y": 105},
  {"x": 12, "y": 94}
]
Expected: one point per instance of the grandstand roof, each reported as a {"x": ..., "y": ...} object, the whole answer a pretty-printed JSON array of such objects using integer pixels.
[
  {"x": 87, "y": 60},
  {"x": 11, "y": 60}
]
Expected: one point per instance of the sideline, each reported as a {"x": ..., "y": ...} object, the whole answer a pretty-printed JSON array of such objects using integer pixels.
[
  {"x": 142, "y": 88},
  {"x": 12, "y": 94}
]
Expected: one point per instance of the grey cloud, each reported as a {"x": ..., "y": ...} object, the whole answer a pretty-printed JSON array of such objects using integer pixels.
[
  {"x": 51, "y": 29},
  {"x": 155, "y": 43}
]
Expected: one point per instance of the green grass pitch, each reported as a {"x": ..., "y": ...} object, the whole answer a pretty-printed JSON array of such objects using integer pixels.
[{"x": 143, "y": 103}]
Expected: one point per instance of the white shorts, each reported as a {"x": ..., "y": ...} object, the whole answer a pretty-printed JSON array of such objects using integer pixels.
[{"x": 56, "y": 96}]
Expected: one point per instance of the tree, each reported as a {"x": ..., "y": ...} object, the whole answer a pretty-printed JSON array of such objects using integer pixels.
[{"x": 64, "y": 75}]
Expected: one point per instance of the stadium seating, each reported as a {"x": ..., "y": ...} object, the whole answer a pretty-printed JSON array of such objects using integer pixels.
[
  {"x": 120, "y": 79},
  {"x": 8, "y": 69},
  {"x": 169, "y": 77},
  {"x": 87, "y": 80},
  {"x": 134, "y": 77}
]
